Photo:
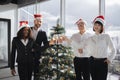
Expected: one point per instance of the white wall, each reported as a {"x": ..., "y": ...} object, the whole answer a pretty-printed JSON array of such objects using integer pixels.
[{"x": 10, "y": 11}]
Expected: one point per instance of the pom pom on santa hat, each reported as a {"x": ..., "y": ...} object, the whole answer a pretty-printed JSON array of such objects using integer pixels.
[
  {"x": 23, "y": 24},
  {"x": 81, "y": 20},
  {"x": 37, "y": 16},
  {"x": 100, "y": 19}
]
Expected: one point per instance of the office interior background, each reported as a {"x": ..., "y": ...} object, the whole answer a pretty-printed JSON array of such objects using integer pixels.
[{"x": 68, "y": 11}]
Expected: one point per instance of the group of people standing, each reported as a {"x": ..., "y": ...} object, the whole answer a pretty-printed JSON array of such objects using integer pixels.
[
  {"x": 90, "y": 50},
  {"x": 93, "y": 52},
  {"x": 29, "y": 43}
]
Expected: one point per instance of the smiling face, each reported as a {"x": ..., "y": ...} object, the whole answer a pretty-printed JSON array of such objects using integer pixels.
[
  {"x": 26, "y": 31},
  {"x": 98, "y": 27},
  {"x": 37, "y": 23},
  {"x": 81, "y": 26}
]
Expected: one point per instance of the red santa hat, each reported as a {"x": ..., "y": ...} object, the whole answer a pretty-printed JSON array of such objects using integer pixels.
[
  {"x": 38, "y": 16},
  {"x": 100, "y": 19},
  {"x": 81, "y": 20},
  {"x": 23, "y": 24}
]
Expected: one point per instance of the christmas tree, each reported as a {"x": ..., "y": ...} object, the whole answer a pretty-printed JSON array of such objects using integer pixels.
[{"x": 57, "y": 61}]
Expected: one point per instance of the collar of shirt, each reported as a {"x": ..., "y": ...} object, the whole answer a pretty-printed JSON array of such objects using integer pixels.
[
  {"x": 34, "y": 33},
  {"x": 24, "y": 42},
  {"x": 36, "y": 30}
]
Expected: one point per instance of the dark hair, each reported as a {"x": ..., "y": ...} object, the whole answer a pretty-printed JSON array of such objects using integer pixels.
[
  {"x": 20, "y": 33},
  {"x": 98, "y": 22}
]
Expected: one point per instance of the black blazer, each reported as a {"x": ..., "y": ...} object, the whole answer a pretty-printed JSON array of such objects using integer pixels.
[
  {"x": 24, "y": 53},
  {"x": 41, "y": 43}
]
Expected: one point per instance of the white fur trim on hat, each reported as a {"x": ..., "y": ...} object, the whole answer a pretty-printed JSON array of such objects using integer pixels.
[
  {"x": 81, "y": 20},
  {"x": 23, "y": 24},
  {"x": 23, "y": 27},
  {"x": 100, "y": 19},
  {"x": 37, "y": 16}
]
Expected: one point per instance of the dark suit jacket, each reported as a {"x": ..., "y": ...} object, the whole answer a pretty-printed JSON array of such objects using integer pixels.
[
  {"x": 41, "y": 43},
  {"x": 24, "y": 53}
]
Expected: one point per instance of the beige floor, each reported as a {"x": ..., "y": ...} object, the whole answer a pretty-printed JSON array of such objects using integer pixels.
[{"x": 5, "y": 75}]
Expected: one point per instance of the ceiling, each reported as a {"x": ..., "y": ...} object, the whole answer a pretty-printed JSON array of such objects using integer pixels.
[
  {"x": 3, "y": 2},
  {"x": 20, "y": 2}
]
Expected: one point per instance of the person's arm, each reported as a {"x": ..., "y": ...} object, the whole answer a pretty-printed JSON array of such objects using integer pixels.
[
  {"x": 12, "y": 57},
  {"x": 66, "y": 41},
  {"x": 45, "y": 42},
  {"x": 41, "y": 39},
  {"x": 112, "y": 49},
  {"x": 87, "y": 47}
]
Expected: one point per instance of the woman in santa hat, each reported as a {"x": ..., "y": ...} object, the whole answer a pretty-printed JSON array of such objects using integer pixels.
[
  {"x": 97, "y": 46},
  {"x": 23, "y": 44}
]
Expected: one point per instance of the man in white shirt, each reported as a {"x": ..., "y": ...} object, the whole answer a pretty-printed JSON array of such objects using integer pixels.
[{"x": 81, "y": 60}]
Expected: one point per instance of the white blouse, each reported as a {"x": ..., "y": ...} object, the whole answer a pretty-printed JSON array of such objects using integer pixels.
[
  {"x": 24, "y": 42},
  {"x": 100, "y": 46},
  {"x": 76, "y": 43}
]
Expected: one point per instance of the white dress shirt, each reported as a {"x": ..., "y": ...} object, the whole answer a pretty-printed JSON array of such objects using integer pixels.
[
  {"x": 100, "y": 46},
  {"x": 76, "y": 43}
]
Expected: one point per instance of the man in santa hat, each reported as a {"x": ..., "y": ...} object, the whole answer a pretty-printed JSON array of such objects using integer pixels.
[
  {"x": 81, "y": 59},
  {"x": 41, "y": 42}
]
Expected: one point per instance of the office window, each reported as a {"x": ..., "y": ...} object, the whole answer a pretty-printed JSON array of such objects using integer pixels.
[
  {"x": 76, "y": 9},
  {"x": 113, "y": 28},
  {"x": 4, "y": 42},
  {"x": 51, "y": 12},
  {"x": 26, "y": 13},
  {"x": 112, "y": 21},
  {"x": 49, "y": 9}
]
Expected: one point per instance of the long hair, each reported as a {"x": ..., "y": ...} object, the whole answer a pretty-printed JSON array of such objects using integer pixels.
[{"x": 20, "y": 33}]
